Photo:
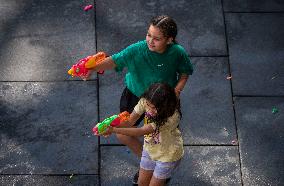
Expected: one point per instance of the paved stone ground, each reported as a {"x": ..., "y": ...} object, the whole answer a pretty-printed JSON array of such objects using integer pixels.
[{"x": 46, "y": 117}]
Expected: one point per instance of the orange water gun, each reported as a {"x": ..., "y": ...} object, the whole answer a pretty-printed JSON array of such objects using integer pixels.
[
  {"x": 82, "y": 67},
  {"x": 113, "y": 121}
]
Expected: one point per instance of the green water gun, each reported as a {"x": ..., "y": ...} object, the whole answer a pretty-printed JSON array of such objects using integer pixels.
[{"x": 113, "y": 121}]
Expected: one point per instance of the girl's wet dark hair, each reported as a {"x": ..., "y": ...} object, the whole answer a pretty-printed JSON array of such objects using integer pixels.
[
  {"x": 163, "y": 97},
  {"x": 166, "y": 25}
]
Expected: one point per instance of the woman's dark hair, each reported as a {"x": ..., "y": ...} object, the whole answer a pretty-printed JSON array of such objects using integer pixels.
[
  {"x": 163, "y": 97},
  {"x": 166, "y": 25}
]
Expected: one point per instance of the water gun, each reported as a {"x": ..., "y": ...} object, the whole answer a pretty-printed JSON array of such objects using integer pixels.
[
  {"x": 82, "y": 67},
  {"x": 113, "y": 121}
]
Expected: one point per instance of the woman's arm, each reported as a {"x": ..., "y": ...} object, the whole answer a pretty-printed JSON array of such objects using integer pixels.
[
  {"x": 181, "y": 83},
  {"x": 106, "y": 64}
]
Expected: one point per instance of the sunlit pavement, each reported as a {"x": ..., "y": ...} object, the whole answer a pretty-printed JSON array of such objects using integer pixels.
[{"x": 233, "y": 104}]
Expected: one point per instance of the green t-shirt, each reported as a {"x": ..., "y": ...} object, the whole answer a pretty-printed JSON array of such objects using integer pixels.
[
  {"x": 145, "y": 67},
  {"x": 165, "y": 145}
]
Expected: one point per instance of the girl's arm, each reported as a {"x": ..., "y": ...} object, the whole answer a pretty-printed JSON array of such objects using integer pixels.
[
  {"x": 131, "y": 121},
  {"x": 146, "y": 129},
  {"x": 127, "y": 124},
  {"x": 106, "y": 64},
  {"x": 181, "y": 83}
]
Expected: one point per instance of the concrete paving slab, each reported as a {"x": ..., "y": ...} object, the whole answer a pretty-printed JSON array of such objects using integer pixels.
[
  {"x": 206, "y": 101},
  {"x": 253, "y": 5},
  {"x": 31, "y": 180},
  {"x": 261, "y": 140},
  {"x": 200, "y": 24},
  {"x": 10, "y": 10},
  {"x": 118, "y": 166},
  {"x": 200, "y": 166},
  {"x": 201, "y": 31},
  {"x": 43, "y": 58},
  {"x": 45, "y": 17},
  {"x": 121, "y": 23},
  {"x": 208, "y": 166},
  {"x": 256, "y": 53},
  {"x": 41, "y": 40},
  {"x": 46, "y": 128}
]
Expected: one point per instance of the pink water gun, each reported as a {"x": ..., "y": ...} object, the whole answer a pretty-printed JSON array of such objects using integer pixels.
[
  {"x": 82, "y": 67},
  {"x": 113, "y": 121}
]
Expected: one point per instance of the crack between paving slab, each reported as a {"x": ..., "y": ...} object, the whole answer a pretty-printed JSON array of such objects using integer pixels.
[
  {"x": 231, "y": 86},
  {"x": 209, "y": 55},
  {"x": 47, "y": 81},
  {"x": 254, "y": 12},
  {"x": 49, "y": 174},
  {"x": 260, "y": 96},
  {"x": 98, "y": 94}
]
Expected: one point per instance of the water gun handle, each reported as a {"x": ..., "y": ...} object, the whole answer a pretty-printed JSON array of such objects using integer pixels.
[{"x": 113, "y": 121}]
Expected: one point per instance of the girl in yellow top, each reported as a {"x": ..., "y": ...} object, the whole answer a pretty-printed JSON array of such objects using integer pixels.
[{"x": 163, "y": 144}]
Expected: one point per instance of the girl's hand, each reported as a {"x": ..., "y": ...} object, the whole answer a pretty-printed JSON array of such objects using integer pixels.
[{"x": 108, "y": 132}]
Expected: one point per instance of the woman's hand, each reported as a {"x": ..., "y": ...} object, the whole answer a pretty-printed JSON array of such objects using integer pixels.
[
  {"x": 181, "y": 83},
  {"x": 87, "y": 76},
  {"x": 177, "y": 91}
]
